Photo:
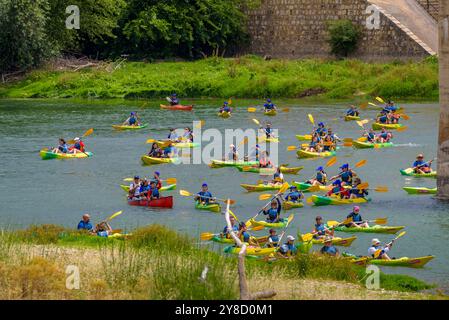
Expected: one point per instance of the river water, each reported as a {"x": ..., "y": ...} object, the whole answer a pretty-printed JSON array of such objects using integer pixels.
[{"x": 33, "y": 191}]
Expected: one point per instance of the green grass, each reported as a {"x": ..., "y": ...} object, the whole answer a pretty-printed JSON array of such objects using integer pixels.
[{"x": 244, "y": 77}]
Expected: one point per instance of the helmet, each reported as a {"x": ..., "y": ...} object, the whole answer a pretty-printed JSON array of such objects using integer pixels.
[
  {"x": 293, "y": 187},
  {"x": 225, "y": 102},
  {"x": 320, "y": 168},
  {"x": 157, "y": 173},
  {"x": 337, "y": 183},
  {"x": 321, "y": 124},
  {"x": 136, "y": 177},
  {"x": 204, "y": 184},
  {"x": 77, "y": 139},
  {"x": 173, "y": 94},
  {"x": 345, "y": 166},
  {"x": 356, "y": 208},
  {"x": 375, "y": 241},
  {"x": 268, "y": 100}
]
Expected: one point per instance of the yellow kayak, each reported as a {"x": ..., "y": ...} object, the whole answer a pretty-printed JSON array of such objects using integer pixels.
[
  {"x": 392, "y": 126},
  {"x": 128, "y": 127},
  {"x": 351, "y": 118},
  {"x": 288, "y": 205},
  {"x": 271, "y": 113},
  {"x": 309, "y": 154},
  {"x": 47, "y": 154},
  {"x": 305, "y": 137},
  {"x": 224, "y": 114},
  {"x": 151, "y": 160},
  {"x": 337, "y": 241},
  {"x": 250, "y": 250}
]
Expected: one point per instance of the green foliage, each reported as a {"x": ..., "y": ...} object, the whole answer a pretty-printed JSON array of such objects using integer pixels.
[
  {"x": 399, "y": 282},
  {"x": 158, "y": 236},
  {"x": 344, "y": 36}
]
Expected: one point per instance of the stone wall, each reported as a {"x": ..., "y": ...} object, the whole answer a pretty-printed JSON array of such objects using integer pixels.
[
  {"x": 431, "y": 6},
  {"x": 298, "y": 29}
]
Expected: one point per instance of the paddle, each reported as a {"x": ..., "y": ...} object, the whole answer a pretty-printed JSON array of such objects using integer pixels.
[
  {"x": 200, "y": 124},
  {"x": 378, "y": 252},
  {"x": 186, "y": 193},
  {"x": 365, "y": 186},
  {"x": 400, "y": 129},
  {"x": 168, "y": 180},
  {"x": 86, "y": 134},
  {"x": 311, "y": 119},
  {"x": 309, "y": 236},
  {"x": 380, "y": 100},
  {"x": 252, "y": 109},
  {"x": 114, "y": 216}
]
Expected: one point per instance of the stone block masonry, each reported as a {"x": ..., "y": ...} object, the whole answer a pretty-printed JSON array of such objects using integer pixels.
[{"x": 298, "y": 29}]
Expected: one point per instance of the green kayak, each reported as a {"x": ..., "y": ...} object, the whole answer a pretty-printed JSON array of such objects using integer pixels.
[
  {"x": 373, "y": 229},
  {"x": 368, "y": 145},
  {"x": 400, "y": 262},
  {"x": 324, "y": 201},
  {"x": 411, "y": 173},
  {"x": 283, "y": 222},
  {"x": 221, "y": 164},
  {"x": 413, "y": 190},
  {"x": 214, "y": 207}
]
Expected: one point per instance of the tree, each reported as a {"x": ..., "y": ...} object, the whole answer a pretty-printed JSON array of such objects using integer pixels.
[{"x": 344, "y": 37}]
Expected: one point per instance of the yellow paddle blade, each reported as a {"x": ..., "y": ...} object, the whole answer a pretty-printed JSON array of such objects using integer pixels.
[
  {"x": 244, "y": 141},
  {"x": 117, "y": 231},
  {"x": 246, "y": 168},
  {"x": 361, "y": 163},
  {"x": 332, "y": 223},
  {"x": 285, "y": 110},
  {"x": 232, "y": 214},
  {"x": 380, "y": 100},
  {"x": 312, "y": 120},
  {"x": 171, "y": 180},
  {"x": 405, "y": 117},
  {"x": 373, "y": 104},
  {"x": 402, "y": 129},
  {"x": 258, "y": 228},
  {"x": 200, "y": 124},
  {"x": 206, "y": 236},
  {"x": 348, "y": 144},
  {"x": 348, "y": 140},
  {"x": 185, "y": 193},
  {"x": 306, "y": 237},
  {"x": 309, "y": 200},
  {"x": 381, "y": 189},
  {"x": 252, "y": 109},
  {"x": 362, "y": 139},
  {"x": 381, "y": 221},
  {"x": 88, "y": 132},
  {"x": 377, "y": 253},
  {"x": 284, "y": 187},
  {"x": 256, "y": 121},
  {"x": 401, "y": 234},
  {"x": 151, "y": 141},
  {"x": 230, "y": 101},
  {"x": 231, "y": 201},
  {"x": 362, "y": 186},
  {"x": 331, "y": 162},
  {"x": 291, "y": 148},
  {"x": 265, "y": 196},
  {"x": 128, "y": 179},
  {"x": 114, "y": 215}
]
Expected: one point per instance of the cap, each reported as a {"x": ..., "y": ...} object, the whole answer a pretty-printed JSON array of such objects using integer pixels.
[
  {"x": 157, "y": 173},
  {"x": 257, "y": 146},
  {"x": 375, "y": 241},
  {"x": 337, "y": 182},
  {"x": 345, "y": 166},
  {"x": 204, "y": 184},
  {"x": 136, "y": 177},
  {"x": 77, "y": 139},
  {"x": 320, "y": 168},
  {"x": 293, "y": 187},
  {"x": 225, "y": 102},
  {"x": 321, "y": 124},
  {"x": 420, "y": 155},
  {"x": 356, "y": 208},
  {"x": 174, "y": 94},
  {"x": 290, "y": 238},
  {"x": 268, "y": 100},
  {"x": 232, "y": 146}
]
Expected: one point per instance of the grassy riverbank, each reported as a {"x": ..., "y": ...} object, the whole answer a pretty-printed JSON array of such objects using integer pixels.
[
  {"x": 157, "y": 263},
  {"x": 245, "y": 77}
]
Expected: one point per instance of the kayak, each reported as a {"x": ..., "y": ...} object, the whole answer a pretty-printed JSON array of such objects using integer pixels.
[
  {"x": 272, "y": 140},
  {"x": 413, "y": 190},
  {"x": 304, "y": 187},
  {"x": 269, "y": 171},
  {"x": 372, "y": 229},
  {"x": 288, "y": 205},
  {"x": 324, "y": 201},
  {"x": 168, "y": 187},
  {"x": 367, "y": 145},
  {"x": 220, "y": 163},
  {"x": 309, "y": 154},
  {"x": 337, "y": 241},
  {"x": 214, "y": 207},
  {"x": 163, "y": 202},
  {"x": 46, "y": 155},
  {"x": 411, "y": 173},
  {"x": 250, "y": 250},
  {"x": 270, "y": 113},
  {"x": 220, "y": 239},
  {"x": 224, "y": 114},
  {"x": 400, "y": 262},
  {"x": 261, "y": 187},
  {"x": 391, "y": 126},
  {"x": 284, "y": 222},
  {"x": 352, "y": 118},
  {"x": 305, "y": 137},
  {"x": 151, "y": 160},
  {"x": 128, "y": 127},
  {"x": 186, "y": 145},
  {"x": 177, "y": 107}
]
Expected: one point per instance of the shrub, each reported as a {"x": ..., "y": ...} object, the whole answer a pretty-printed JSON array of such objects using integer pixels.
[{"x": 344, "y": 37}]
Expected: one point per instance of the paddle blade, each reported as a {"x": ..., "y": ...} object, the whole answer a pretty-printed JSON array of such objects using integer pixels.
[
  {"x": 348, "y": 140},
  {"x": 171, "y": 180},
  {"x": 361, "y": 163},
  {"x": 364, "y": 105},
  {"x": 285, "y": 110},
  {"x": 88, "y": 132},
  {"x": 114, "y": 215},
  {"x": 244, "y": 141},
  {"x": 381, "y": 189},
  {"x": 206, "y": 236},
  {"x": 309, "y": 200},
  {"x": 373, "y": 104},
  {"x": 348, "y": 144},
  {"x": 405, "y": 117},
  {"x": 200, "y": 124},
  {"x": 252, "y": 109},
  {"x": 284, "y": 187},
  {"x": 332, "y": 223},
  {"x": 150, "y": 141},
  {"x": 331, "y": 162},
  {"x": 246, "y": 168},
  {"x": 256, "y": 121},
  {"x": 128, "y": 179},
  {"x": 258, "y": 228},
  {"x": 230, "y": 101},
  {"x": 291, "y": 148},
  {"x": 362, "y": 139},
  {"x": 362, "y": 186},
  {"x": 401, "y": 129},
  {"x": 381, "y": 221},
  {"x": 311, "y": 119},
  {"x": 185, "y": 193},
  {"x": 314, "y": 189},
  {"x": 307, "y": 237},
  {"x": 401, "y": 234},
  {"x": 265, "y": 196},
  {"x": 232, "y": 214},
  {"x": 380, "y": 100}
]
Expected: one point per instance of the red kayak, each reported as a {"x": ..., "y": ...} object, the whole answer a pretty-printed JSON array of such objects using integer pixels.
[
  {"x": 177, "y": 107},
  {"x": 163, "y": 202}
]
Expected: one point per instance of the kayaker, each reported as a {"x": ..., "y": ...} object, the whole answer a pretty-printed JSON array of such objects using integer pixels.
[
  {"x": 234, "y": 226},
  {"x": 188, "y": 135},
  {"x": 338, "y": 190},
  {"x": 357, "y": 220},
  {"x": 268, "y": 131},
  {"x": 314, "y": 145},
  {"x": 269, "y": 105},
  {"x": 356, "y": 192},
  {"x": 85, "y": 224},
  {"x": 78, "y": 146},
  {"x": 333, "y": 136},
  {"x": 352, "y": 111},
  {"x": 329, "y": 248},
  {"x": 273, "y": 239},
  {"x": 390, "y": 106},
  {"x": 157, "y": 178},
  {"x": 320, "y": 230},
  {"x": 294, "y": 195},
  {"x": 346, "y": 175},
  {"x": 243, "y": 233},
  {"x": 255, "y": 153},
  {"x": 169, "y": 151},
  {"x": 144, "y": 189},
  {"x": 278, "y": 177},
  {"x": 320, "y": 178},
  {"x": 321, "y": 130},
  {"x": 274, "y": 212},
  {"x": 103, "y": 229},
  {"x": 155, "y": 151},
  {"x": 289, "y": 248},
  {"x": 371, "y": 136},
  {"x": 382, "y": 118},
  {"x": 204, "y": 196},
  {"x": 174, "y": 101},
  {"x": 385, "y": 136},
  {"x": 233, "y": 155},
  {"x": 419, "y": 166},
  {"x": 264, "y": 160},
  {"x": 395, "y": 117},
  {"x": 376, "y": 250},
  {"x": 173, "y": 136},
  {"x": 153, "y": 193},
  {"x": 132, "y": 120},
  {"x": 225, "y": 108},
  {"x": 62, "y": 147},
  {"x": 328, "y": 144}
]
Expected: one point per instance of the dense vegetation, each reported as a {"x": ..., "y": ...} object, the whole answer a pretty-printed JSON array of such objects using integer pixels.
[
  {"x": 244, "y": 77},
  {"x": 35, "y": 29},
  {"x": 343, "y": 37}
]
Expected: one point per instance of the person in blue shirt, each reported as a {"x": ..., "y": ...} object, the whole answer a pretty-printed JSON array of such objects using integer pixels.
[
  {"x": 269, "y": 105},
  {"x": 225, "y": 107},
  {"x": 383, "y": 117},
  {"x": 346, "y": 175},
  {"x": 357, "y": 220},
  {"x": 273, "y": 239},
  {"x": 352, "y": 111},
  {"x": 274, "y": 212},
  {"x": 153, "y": 193},
  {"x": 320, "y": 230},
  {"x": 169, "y": 151},
  {"x": 173, "y": 100},
  {"x": 390, "y": 106},
  {"x": 144, "y": 190},
  {"x": 278, "y": 176},
  {"x": 234, "y": 226},
  {"x": 204, "y": 196},
  {"x": 371, "y": 136},
  {"x": 384, "y": 136},
  {"x": 329, "y": 248},
  {"x": 321, "y": 130},
  {"x": 133, "y": 120},
  {"x": 355, "y": 191},
  {"x": 243, "y": 233},
  {"x": 289, "y": 248},
  {"x": 320, "y": 177},
  {"x": 173, "y": 136},
  {"x": 62, "y": 147},
  {"x": 420, "y": 166},
  {"x": 85, "y": 224},
  {"x": 294, "y": 195},
  {"x": 268, "y": 131}
]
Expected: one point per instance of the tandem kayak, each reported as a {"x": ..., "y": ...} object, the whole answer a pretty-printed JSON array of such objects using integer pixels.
[
  {"x": 411, "y": 173},
  {"x": 224, "y": 114},
  {"x": 151, "y": 160},
  {"x": 284, "y": 222},
  {"x": 391, "y": 126},
  {"x": 304, "y": 137},
  {"x": 270, "y": 113},
  {"x": 177, "y": 107},
  {"x": 229, "y": 163},
  {"x": 168, "y": 187},
  {"x": 309, "y": 154},
  {"x": 304, "y": 186},
  {"x": 261, "y": 187},
  {"x": 400, "y": 262},
  {"x": 269, "y": 171},
  {"x": 288, "y": 205},
  {"x": 372, "y": 229},
  {"x": 47, "y": 155},
  {"x": 219, "y": 239},
  {"x": 324, "y": 201},
  {"x": 367, "y": 145},
  {"x": 163, "y": 202},
  {"x": 413, "y": 190},
  {"x": 250, "y": 250},
  {"x": 337, "y": 241},
  {"x": 352, "y": 118},
  {"x": 128, "y": 127},
  {"x": 214, "y": 207}
]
